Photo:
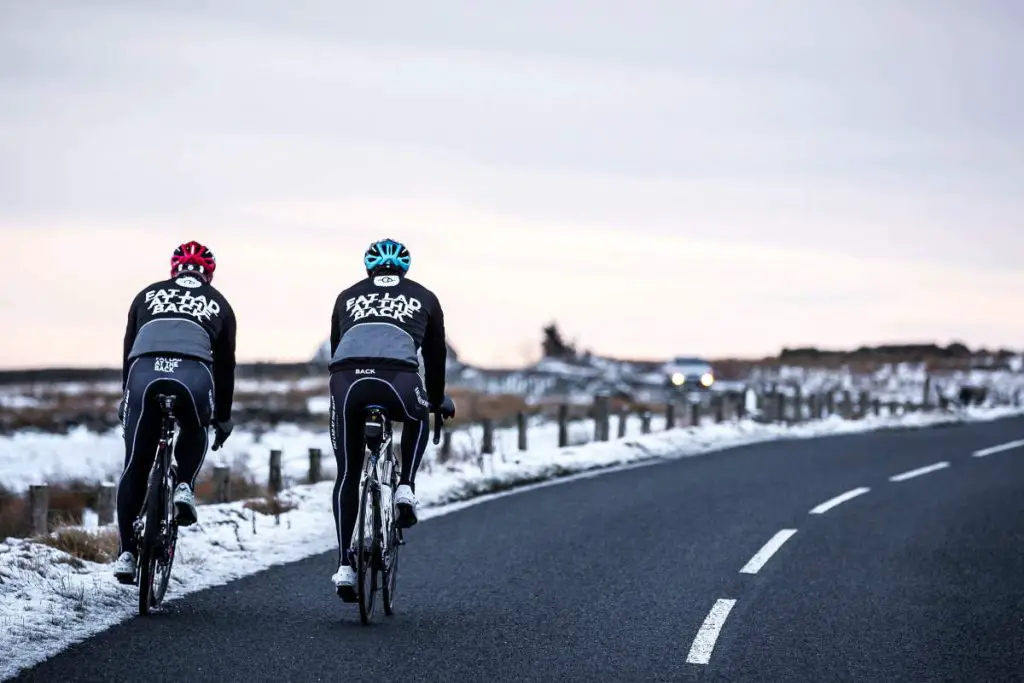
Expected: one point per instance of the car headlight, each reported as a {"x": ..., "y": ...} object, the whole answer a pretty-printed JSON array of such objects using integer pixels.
[
  {"x": 707, "y": 379},
  {"x": 679, "y": 379}
]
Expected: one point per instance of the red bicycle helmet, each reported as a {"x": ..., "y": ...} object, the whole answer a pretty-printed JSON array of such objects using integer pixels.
[{"x": 194, "y": 257}]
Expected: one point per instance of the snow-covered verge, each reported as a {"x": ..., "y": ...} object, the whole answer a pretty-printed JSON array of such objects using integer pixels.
[
  {"x": 895, "y": 382},
  {"x": 49, "y": 600},
  {"x": 32, "y": 457}
]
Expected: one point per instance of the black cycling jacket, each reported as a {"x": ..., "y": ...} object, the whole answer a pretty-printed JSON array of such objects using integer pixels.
[
  {"x": 386, "y": 321},
  {"x": 185, "y": 316}
]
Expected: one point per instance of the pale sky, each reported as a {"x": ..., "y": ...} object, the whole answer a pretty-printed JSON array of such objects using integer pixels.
[{"x": 720, "y": 177}]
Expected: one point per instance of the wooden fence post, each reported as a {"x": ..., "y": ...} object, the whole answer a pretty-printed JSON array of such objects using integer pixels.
[
  {"x": 865, "y": 404},
  {"x": 487, "y": 447},
  {"x": 765, "y": 405},
  {"x": 563, "y": 425},
  {"x": 315, "y": 462},
  {"x": 274, "y": 484},
  {"x": 445, "y": 454},
  {"x": 105, "y": 502},
  {"x": 847, "y": 404},
  {"x": 221, "y": 484},
  {"x": 623, "y": 416},
  {"x": 521, "y": 426},
  {"x": 601, "y": 427},
  {"x": 39, "y": 508}
]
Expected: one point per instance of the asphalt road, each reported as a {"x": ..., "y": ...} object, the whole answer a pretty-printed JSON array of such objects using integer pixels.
[{"x": 611, "y": 578}]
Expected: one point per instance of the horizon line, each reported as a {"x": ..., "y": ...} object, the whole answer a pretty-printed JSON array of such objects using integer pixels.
[{"x": 741, "y": 359}]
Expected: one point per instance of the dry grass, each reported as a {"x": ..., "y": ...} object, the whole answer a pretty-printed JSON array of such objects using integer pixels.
[
  {"x": 472, "y": 407},
  {"x": 242, "y": 486},
  {"x": 269, "y": 505},
  {"x": 14, "y": 522},
  {"x": 98, "y": 410},
  {"x": 732, "y": 368},
  {"x": 68, "y": 502},
  {"x": 91, "y": 546}
]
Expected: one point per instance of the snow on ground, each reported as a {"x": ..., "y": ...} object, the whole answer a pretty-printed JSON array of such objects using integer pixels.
[
  {"x": 29, "y": 458},
  {"x": 113, "y": 388},
  {"x": 896, "y": 382},
  {"x": 49, "y": 601}
]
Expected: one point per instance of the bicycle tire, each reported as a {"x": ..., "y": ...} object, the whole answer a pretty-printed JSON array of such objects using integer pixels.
[
  {"x": 366, "y": 573},
  {"x": 168, "y": 544},
  {"x": 150, "y": 537},
  {"x": 390, "y": 564}
]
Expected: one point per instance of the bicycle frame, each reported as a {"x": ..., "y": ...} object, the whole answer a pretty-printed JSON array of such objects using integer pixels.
[
  {"x": 376, "y": 538},
  {"x": 374, "y": 551},
  {"x": 156, "y": 546},
  {"x": 378, "y": 435}
]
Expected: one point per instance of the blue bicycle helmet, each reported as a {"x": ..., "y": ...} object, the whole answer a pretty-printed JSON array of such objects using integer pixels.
[{"x": 386, "y": 255}]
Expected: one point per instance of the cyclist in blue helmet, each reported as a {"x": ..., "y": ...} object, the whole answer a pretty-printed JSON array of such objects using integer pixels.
[{"x": 380, "y": 327}]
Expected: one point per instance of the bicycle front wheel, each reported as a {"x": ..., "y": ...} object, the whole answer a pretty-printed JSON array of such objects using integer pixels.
[{"x": 366, "y": 565}]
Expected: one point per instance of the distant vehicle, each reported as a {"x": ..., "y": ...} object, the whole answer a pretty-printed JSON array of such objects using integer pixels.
[{"x": 689, "y": 373}]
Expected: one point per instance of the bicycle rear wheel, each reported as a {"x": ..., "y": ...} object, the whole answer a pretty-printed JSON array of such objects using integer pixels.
[
  {"x": 366, "y": 565},
  {"x": 390, "y": 560},
  {"x": 150, "y": 546},
  {"x": 168, "y": 540}
]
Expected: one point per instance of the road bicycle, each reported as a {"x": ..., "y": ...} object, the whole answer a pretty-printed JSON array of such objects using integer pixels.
[
  {"x": 156, "y": 528},
  {"x": 375, "y": 545}
]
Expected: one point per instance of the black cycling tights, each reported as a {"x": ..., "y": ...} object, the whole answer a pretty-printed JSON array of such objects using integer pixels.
[
  {"x": 190, "y": 381},
  {"x": 401, "y": 394}
]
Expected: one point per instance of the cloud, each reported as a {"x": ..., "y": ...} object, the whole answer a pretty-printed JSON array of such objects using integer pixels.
[{"x": 747, "y": 163}]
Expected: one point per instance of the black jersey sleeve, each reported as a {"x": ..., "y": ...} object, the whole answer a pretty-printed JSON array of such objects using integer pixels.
[
  {"x": 224, "y": 367},
  {"x": 336, "y": 324},
  {"x": 435, "y": 354},
  {"x": 129, "y": 339}
]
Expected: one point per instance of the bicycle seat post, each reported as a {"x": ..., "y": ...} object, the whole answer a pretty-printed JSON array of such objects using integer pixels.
[{"x": 374, "y": 427}]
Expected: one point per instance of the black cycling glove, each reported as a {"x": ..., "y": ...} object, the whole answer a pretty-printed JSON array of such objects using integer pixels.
[
  {"x": 223, "y": 431},
  {"x": 446, "y": 409}
]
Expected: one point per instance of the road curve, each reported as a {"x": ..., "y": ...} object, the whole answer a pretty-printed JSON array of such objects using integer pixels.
[{"x": 706, "y": 568}]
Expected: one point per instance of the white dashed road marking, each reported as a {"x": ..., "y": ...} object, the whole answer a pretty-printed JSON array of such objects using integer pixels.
[
  {"x": 842, "y": 498},
  {"x": 918, "y": 472},
  {"x": 997, "y": 449},
  {"x": 765, "y": 553},
  {"x": 704, "y": 642}
]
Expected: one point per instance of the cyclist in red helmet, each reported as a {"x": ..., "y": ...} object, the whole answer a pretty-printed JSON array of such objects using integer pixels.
[{"x": 180, "y": 340}]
